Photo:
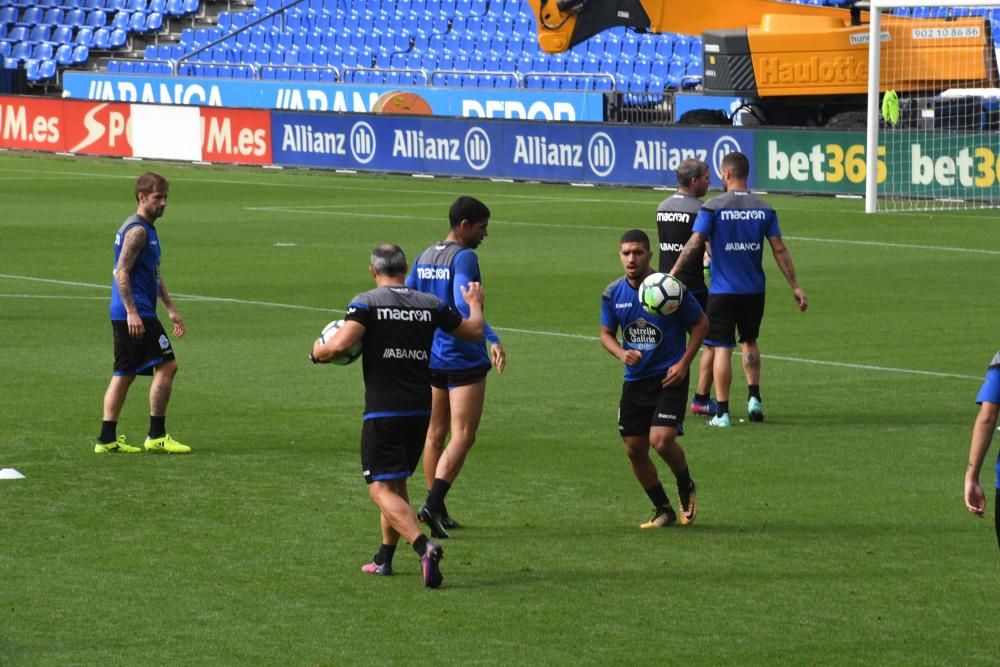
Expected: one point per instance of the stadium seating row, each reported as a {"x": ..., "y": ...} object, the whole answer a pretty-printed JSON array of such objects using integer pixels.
[{"x": 451, "y": 42}]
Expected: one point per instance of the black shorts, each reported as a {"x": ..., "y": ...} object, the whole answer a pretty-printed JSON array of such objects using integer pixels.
[
  {"x": 462, "y": 378},
  {"x": 391, "y": 446},
  {"x": 645, "y": 403},
  {"x": 701, "y": 296},
  {"x": 728, "y": 313},
  {"x": 139, "y": 356}
]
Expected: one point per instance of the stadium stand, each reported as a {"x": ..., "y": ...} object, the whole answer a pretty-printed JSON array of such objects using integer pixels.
[{"x": 485, "y": 43}]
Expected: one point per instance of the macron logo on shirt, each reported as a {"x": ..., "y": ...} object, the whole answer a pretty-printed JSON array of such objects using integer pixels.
[
  {"x": 739, "y": 214},
  {"x": 433, "y": 273}
]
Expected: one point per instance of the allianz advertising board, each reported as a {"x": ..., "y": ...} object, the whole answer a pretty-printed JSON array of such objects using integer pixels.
[
  {"x": 570, "y": 152},
  {"x": 516, "y": 104}
]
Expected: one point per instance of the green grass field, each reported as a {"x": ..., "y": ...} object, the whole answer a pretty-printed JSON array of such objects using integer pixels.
[{"x": 834, "y": 533}]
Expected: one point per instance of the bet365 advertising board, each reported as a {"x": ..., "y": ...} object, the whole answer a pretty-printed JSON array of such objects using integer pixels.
[{"x": 941, "y": 164}]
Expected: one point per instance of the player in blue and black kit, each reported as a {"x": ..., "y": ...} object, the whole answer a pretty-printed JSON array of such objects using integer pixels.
[
  {"x": 982, "y": 435},
  {"x": 674, "y": 223},
  {"x": 141, "y": 344},
  {"x": 396, "y": 326},
  {"x": 657, "y": 357},
  {"x": 458, "y": 368},
  {"x": 736, "y": 224}
]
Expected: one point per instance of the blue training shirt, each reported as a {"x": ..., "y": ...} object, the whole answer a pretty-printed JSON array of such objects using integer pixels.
[
  {"x": 145, "y": 274},
  {"x": 442, "y": 270},
  {"x": 990, "y": 393},
  {"x": 736, "y": 224},
  {"x": 662, "y": 340}
]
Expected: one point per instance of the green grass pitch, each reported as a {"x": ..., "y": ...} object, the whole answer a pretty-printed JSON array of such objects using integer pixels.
[{"x": 834, "y": 533}]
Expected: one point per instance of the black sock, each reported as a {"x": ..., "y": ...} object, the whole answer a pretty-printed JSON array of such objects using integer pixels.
[
  {"x": 723, "y": 408},
  {"x": 420, "y": 546},
  {"x": 754, "y": 391},
  {"x": 385, "y": 554},
  {"x": 157, "y": 426},
  {"x": 108, "y": 432},
  {"x": 435, "y": 498},
  {"x": 684, "y": 480},
  {"x": 701, "y": 398},
  {"x": 658, "y": 496}
]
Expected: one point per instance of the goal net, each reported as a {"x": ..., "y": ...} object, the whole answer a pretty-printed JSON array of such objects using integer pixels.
[{"x": 933, "y": 117}]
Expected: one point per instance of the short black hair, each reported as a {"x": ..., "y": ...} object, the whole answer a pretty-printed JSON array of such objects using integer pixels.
[
  {"x": 389, "y": 260},
  {"x": 467, "y": 208},
  {"x": 738, "y": 164},
  {"x": 635, "y": 236}
]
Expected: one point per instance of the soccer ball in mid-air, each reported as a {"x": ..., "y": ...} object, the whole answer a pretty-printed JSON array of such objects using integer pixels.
[
  {"x": 661, "y": 294},
  {"x": 352, "y": 354}
]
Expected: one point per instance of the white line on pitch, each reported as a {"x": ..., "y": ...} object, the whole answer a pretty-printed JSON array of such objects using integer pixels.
[
  {"x": 272, "y": 304},
  {"x": 54, "y": 296},
  {"x": 361, "y": 211}
]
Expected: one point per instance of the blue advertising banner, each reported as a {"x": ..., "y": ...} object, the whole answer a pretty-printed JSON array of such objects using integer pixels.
[
  {"x": 299, "y": 96},
  {"x": 577, "y": 153}
]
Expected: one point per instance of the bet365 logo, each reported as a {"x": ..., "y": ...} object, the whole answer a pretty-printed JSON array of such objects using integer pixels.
[{"x": 831, "y": 163}]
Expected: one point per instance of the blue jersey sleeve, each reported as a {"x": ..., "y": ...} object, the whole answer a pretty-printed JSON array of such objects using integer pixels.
[
  {"x": 490, "y": 335},
  {"x": 990, "y": 391},
  {"x": 466, "y": 271},
  {"x": 703, "y": 223},
  {"x": 772, "y": 229}
]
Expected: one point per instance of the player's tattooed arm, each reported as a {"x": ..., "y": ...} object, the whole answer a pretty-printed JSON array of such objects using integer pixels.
[
  {"x": 691, "y": 249},
  {"x": 132, "y": 245}
]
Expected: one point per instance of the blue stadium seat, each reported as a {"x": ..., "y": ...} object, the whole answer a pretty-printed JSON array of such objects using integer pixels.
[
  {"x": 96, "y": 19},
  {"x": 74, "y": 18},
  {"x": 102, "y": 39},
  {"x": 62, "y": 34},
  {"x": 53, "y": 16},
  {"x": 154, "y": 22},
  {"x": 17, "y": 34},
  {"x": 42, "y": 52},
  {"x": 20, "y": 51},
  {"x": 64, "y": 55},
  {"x": 118, "y": 38},
  {"x": 30, "y": 16},
  {"x": 40, "y": 33},
  {"x": 84, "y": 37},
  {"x": 31, "y": 69},
  {"x": 46, "y": 70},
  {"x": 8, "y": 14},
  {"x": 120, "y": 20}
]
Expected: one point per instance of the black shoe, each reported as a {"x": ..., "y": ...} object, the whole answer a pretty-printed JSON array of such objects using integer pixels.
[
  {"x": 449, "y": 522},
  {"x": 430, "y": 565},
  {"x": 434, "y": 520},
  {"x": 689, "y": 504}
]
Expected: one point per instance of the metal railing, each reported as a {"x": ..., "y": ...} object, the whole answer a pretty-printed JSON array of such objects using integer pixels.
[{"x": 279, "y": 12}]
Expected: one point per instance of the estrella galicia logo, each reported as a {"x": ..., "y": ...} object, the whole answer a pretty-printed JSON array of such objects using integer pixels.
[
  {"x": 601, "y": 154},
  {"x": 641, "y": 334},
  {"x": 724, "y": 145},
  {"x": 477, "y": 148},
  {"x": 363, "y": 142}
]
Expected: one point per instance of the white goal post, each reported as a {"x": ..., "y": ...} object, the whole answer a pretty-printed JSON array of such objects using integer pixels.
[{"x": 938, "y": 132}]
